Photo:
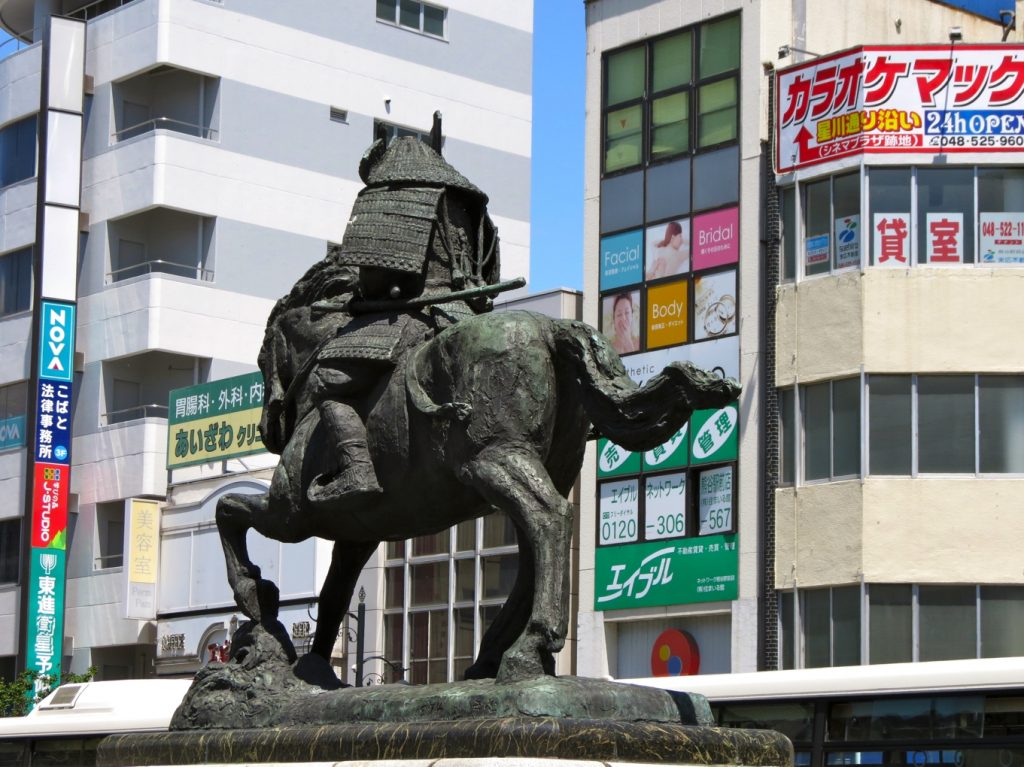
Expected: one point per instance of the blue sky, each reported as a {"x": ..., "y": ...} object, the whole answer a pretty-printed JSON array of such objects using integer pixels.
[{"x": 556, "y": 232}]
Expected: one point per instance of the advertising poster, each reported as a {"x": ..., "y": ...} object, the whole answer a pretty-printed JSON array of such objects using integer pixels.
[
  {"x": 618, "y": 512},
  {"x": 12, "y": 432},
  {"x": 1002, "y": 238},
  {"x": 716, "y": 238},
  {"x": 715, "y": 434},
  {"x": 816, "y": 249},
  {"x": 53, "y": 422},
  {"x": 715, "y": 501},
  {"x": 142, "y": 563},
  {"x": 714, "y": 305},
  {"x": 46, "y": 610},
  {"x": 622, "y": 259},
  {"x": 665, "y": 506},
  {"x": 721, "y": 356},
  {"x": 214, "y": 421},
  {"x": 944, "y": 238},
  {"x": 895, "y": 99},
  {"x": 891, "y": 247},
  {"x": 667, "y": 313},
  {"x": 50, "y": 503},
  {"x": 620, "y": 320},
  {"x": 666, "y": 573},
  {"x": 614, "y": 461},
  {"x": 668, "y": 249},
  {"x": 847, "y": 233},
  {"x": 674, "y": 453}
]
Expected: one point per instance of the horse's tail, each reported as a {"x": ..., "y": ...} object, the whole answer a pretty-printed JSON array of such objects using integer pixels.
[{"x": 635, "y": 417}]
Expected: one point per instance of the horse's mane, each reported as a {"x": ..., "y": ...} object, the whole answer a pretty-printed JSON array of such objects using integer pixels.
[{"x": 324, "y": 279}]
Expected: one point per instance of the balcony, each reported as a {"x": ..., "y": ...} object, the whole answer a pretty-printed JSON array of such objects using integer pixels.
[
  {"x": 18, "y": 16},
  {"x": 137, "y": 387},
  {"x": 161, "y": 241},
  {"x": 166, "y": 98}
]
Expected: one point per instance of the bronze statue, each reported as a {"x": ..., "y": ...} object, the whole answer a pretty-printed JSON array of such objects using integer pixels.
[{"x": 400, "y": 407}]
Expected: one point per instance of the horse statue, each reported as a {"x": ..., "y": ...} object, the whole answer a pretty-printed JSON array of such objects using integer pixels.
[{"x": 473, "y": 412}]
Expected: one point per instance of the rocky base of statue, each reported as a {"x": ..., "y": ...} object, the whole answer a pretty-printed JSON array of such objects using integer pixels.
[{"x": 263, "y": 685}]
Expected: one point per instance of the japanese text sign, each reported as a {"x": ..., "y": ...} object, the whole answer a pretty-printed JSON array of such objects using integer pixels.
[
  {"x": 667, "y": 313},
  {"x": 53, "y": 422},
  {"x": 214, "y": 421},
  {"x": 613, "y": 460},
  {"x": 1002, "y": 238},
  {"x": 891, "y": 236},
  {"x": 715, "y": 434},
  {"x": 927, "y": 98},
  {"x": 714, "y": 501},
  {"x": 45, "y": 611},
  {"x": 143, "y": 549},
  {"x": 618, "y": 512},
  {"x": 944, "y": 238},
  {"x": 50, "y": 506},
  {"x": 622, "y": 259},
  {"x": 666, "y": 573},
  {"x": 665, "y": 509}
]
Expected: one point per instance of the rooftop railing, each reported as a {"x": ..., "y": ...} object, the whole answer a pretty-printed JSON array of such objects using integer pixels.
[
  {"x": 134, "y": 413},
  {"x": 166, "y": 123},
  {"x": 160, "y": 266}
]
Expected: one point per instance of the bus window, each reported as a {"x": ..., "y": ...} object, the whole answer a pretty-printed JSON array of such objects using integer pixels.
[
  {"x": 794, "y": 720},
  {"x": 1004, "y": 715},
  {"x": 64, "y": 752},
  {"x": 13, "y": 753},
  {"x": 906, "y": 718}
]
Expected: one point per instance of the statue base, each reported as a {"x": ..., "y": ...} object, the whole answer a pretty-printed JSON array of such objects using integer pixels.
[{"x": 514, "y": 742}]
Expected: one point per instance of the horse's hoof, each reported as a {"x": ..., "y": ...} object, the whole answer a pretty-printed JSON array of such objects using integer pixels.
[
  {"x": 269, "y": 598},
  {"x": 517, "y": 667}
]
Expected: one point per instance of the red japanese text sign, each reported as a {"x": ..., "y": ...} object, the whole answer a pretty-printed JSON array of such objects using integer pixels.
[
  {"x": 50, "y": 506},
  {"x": 928, "y": 98}
]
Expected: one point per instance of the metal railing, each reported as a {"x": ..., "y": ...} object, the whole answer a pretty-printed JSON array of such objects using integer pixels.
[
  {"x": 166, "y": 123},
  {"x": 109, "y": 561},
  {"x": 160, "y": 266},
  {"x": 134, "y": 413},
  {"x": 13, "y": 45},
  {"x": 96, "y": 8}
]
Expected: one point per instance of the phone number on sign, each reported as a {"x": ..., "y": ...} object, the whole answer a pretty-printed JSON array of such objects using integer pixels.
[{"x": 975, "y": 141}]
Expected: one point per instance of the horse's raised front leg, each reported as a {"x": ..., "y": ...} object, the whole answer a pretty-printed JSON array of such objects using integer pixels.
[
  {"x": 256, "y": 597},
  {"x": 516, "y": 481}
]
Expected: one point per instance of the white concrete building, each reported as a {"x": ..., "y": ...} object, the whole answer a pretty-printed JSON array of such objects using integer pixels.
[
  {"x": 221, "y": 144},
  {"x": 889, "y": 532}
]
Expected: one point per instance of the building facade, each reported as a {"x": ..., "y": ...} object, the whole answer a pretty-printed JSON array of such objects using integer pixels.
[
  {"x": 220, "y": 148},
  {"x": 748, "y": 219}
]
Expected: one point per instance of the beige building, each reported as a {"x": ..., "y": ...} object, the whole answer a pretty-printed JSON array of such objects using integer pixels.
[{"x": 825, "y": 201}]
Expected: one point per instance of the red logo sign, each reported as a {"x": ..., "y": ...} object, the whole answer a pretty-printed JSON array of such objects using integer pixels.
[
  {"x": 675, "y": 653},
  {"x": 50, "y": 506}
]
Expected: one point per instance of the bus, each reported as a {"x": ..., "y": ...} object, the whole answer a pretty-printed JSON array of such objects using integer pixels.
[
  {"x": 961, "y": 713},
  {"x": 67, "y": 725}
]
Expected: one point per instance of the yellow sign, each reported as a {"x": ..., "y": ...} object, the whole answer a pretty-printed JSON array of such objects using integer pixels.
[
  {"x": 214, "y": 438},
  {"x": 143, "y": 541},
  {"x": 667, "y": 311}
]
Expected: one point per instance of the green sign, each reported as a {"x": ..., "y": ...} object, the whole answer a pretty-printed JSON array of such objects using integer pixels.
[
  {"x": 673, "y": 454},
  {"x": 214, "y": 421},
  {"x": 613, "y": 461},
  {"x": 666, "y": 573},
  {"x": 715, "y": 434},
  {"x": 45, "y": 611}
]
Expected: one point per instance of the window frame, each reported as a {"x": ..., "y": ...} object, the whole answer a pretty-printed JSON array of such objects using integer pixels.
[
  {"x": 794, "y": 424},
  {"x": 396, "y": 19}
]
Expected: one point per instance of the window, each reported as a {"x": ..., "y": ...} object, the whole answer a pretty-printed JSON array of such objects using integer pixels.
[
  {"x": 16, "y": 282},
  {"x": 945, "y": 216},
  {"x": 13, "y": 408},
  {"x": 10, "y": 550},
  {"x": 900, "y": 623},
  {"x": 411, "y": 14},
  {"x": 397, "y": 131},
  {"x": 18, "y": 151},
  {"x": 450, "y": 578},
  {"x": 965, "y": 424},
  {"x": 109, "y": 535},
  {"x": 829, "y": 425},
  {"x": 672, "y": 96}
]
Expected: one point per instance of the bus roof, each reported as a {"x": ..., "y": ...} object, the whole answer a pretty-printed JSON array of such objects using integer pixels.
[
  {"x": 100, "y": 708},
  {"x": 882, "y": 679}
]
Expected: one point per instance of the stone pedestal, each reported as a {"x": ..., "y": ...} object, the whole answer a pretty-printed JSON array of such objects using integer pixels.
[{"x": 504, "y": 742}]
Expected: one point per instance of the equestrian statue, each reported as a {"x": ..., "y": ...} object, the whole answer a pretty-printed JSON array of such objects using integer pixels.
[{"x": 401, "y": 405}]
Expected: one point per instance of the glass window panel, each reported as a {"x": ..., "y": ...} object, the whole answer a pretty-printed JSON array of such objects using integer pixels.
[
  {"x": 817, "y": 431},
  {"x": 790, "y": 236},
  {"x": 622, "y": 202},
  {"x": 947, "y": 622},
  {"x": 1002, "y": 621},
  {"x": 716, "y": 178},
  {"x": 465, "y": 578},
  {"x": 720, "y": 46},
  {"x": 10, "y": 550},
  {"x": 460, "y": 666},
  {"x": 1001, "y": 423},
  {"x": 891, "y": 637},
  {"x": 18, "y": 151},
  {"x": 817, "y": 227},
  {"x": 945, "y": 191},
  {"x": 487, "y": 615},
  {"x": 846, "y": 626},
  {"x": 672, "y": 61},
  {"x": 786, "y": 629},
  {"x": 463, "y": 631},
  {"x": 847, "y": 230},
  {"x": 438, "y": 672},
  {"x": 395, "y": 549},
  {"x": 465, "y": 535},
  {"x": 787, "y": 437},
  {"x": 438, "y": 633},
  {"x": 668, "y": 190},
  {"x": 386, "y": 10},
  {"x": 717, "y": 121},
  {"x": 815, "y": 621},
  {"x": 433, "y": 20},
  {"x": 889, "y": 425},
  {"x": 846, "y": 427},
  {"x": 1004, "y": 716},
  {"x": 670, "y": 125},
  {"x": 499, "y": 573},
  {"x": 425, "y": 545},
  {"x": 429, "y": 583},
  {"x": 945, "y": 424},
  {"x": 418, "y": 672},
  {"x": 393, "y": 637},
  {"x": 794, "y": 720},
  {"x": 394, "y": 586},
  {"x": 625, "y": 76},
  {"x": 1000, "y": 190},
  {"x": 419, "y": 635},
  {"x": 409, "y": 14},
  {"x": 889, "y": 192},
  {"x": 16, "y": 282},
  {"x": 623, "y": 138},
  {"x": 498, "y": 531}
]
